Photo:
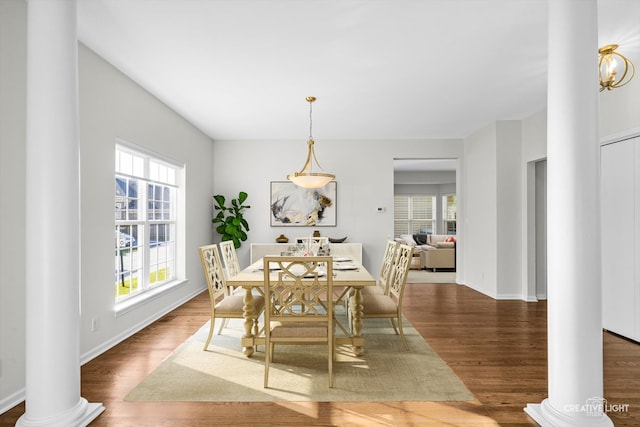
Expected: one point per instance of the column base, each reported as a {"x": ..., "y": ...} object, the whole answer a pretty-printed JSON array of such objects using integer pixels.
[
  {"x": 546, "y": 416},
  {"x": 79, "y": 416}
]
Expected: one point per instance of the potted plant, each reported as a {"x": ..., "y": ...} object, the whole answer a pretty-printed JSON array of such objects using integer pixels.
[{"x": 231, "y": 222}]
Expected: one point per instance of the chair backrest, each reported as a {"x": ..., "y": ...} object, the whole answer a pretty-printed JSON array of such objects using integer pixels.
[
  {"x": 388, "y": 260},
  {"x": 230, "y": 258},
  {"x": 299, "y": 289},
  {"x": 400, "y": 272},
  {"x": 212, "y": 267}
]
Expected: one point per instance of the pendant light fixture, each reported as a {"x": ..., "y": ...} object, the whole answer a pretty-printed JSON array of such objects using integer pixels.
[
  {"x": 306, "y": 178},
  {"x": 612, "y": 74}
]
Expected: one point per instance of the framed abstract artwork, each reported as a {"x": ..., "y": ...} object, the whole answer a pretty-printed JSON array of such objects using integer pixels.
[{"x": 307, "y": 207}]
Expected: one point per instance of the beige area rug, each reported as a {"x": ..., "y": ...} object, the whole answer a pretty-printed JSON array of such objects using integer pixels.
[
  {"x": 427, "y": 276},
  {"x": 385, "y": 372}
]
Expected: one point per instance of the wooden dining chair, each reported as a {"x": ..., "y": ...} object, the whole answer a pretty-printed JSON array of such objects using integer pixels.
[
  {"x": 386, "y": 268},
  {"x": 224, "y": 305},
  {"x": 299, "y": 305},
  {"x": 390, "y": 305},
  {"x": 230, "y": 258}
]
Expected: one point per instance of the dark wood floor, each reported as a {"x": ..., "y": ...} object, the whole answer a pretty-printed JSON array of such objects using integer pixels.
[{"x": 497, "y": 348}]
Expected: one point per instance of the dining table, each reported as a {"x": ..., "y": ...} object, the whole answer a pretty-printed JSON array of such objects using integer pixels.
[{"x": 349, "y": 278}]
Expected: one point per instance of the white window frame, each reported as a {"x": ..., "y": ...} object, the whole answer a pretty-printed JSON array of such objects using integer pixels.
[{"x": 146, "y": 176}]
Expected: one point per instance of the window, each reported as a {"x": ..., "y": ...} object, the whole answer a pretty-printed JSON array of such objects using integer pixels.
[
  {"x": 146, "y": 190},
  {"x": 414, "y": 214},
  {"x": 449, "y": 213}
]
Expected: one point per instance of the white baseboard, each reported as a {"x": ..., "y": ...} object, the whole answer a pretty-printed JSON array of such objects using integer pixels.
[
  {"x": 12, "y": 400},
  {"x": 97, "y": 351},
  {"x": 19, "y": 396}
]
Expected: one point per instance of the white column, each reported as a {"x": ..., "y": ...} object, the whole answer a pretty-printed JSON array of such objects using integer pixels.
[
  {"x": 53, "y": 220},
  {"x": 573, "y": 211}
]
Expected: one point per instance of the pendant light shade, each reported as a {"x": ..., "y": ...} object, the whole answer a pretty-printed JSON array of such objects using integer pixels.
[{"x": 306, "y": 177}]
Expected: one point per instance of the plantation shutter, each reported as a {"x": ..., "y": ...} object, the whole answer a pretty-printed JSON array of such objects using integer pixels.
[
  {"x": 401, "y": 215},
  {"x": 422, "y": 214}
]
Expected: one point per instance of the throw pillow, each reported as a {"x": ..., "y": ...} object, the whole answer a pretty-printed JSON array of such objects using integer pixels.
[{"x": 408, "y": 238}]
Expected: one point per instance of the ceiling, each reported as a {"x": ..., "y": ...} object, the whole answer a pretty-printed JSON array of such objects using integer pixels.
[{"x": 380, "y": 69}]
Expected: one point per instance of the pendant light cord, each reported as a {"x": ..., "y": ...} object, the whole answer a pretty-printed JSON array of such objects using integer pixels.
[{"x": 310, "y": 119}]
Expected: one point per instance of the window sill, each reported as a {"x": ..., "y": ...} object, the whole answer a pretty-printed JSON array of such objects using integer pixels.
[{"x": 131, "y": 304}]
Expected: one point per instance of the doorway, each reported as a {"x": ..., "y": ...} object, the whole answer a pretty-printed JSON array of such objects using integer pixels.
[{"x": 435, "y": 181}]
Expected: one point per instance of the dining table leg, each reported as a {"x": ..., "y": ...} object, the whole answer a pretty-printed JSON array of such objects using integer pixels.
[
  {"x": 356, "y": 325},
  {"x": 249, "y": 321}
]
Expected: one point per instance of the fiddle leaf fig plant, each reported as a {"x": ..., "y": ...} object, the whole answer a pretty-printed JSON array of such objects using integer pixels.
[{"x": 230, "y": 220}]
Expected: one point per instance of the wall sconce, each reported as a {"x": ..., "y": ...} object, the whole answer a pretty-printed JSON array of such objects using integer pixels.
[{"x": 612, "y": 74}]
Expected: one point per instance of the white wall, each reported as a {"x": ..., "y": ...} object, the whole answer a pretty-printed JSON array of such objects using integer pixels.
[
  {"x": 12, "y": 198},
  {"x": 111, "y": 106},
  {"x": 364, "y": 176},
  {"x": 509, "y": 206},
  {"x": 479, "y": 192},
  {"x": 534, "y": 137},
  {"x": 425, "y": 177},
  {"x": 496, "y": 203},
  {"x": 498, "y": 233},
  {"x": 620, "y": 109}
]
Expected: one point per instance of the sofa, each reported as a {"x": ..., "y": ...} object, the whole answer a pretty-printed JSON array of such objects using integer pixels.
[{"x": 435, "y": 251}]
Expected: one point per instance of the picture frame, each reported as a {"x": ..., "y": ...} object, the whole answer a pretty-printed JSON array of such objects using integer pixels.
[{"x": 294, "y": 206}]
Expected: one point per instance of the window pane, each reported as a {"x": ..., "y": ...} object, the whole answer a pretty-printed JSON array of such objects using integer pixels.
[
  {"x": 132, "y": 200},
  {"x": 400, "y": 228},
  {"x": 138, "y": 166},
  {"x": 422, "y": 227},
  {"x": 401, "y": 207},
  {"x": 121, "y": 199},
  {"x": 422, "y": 207},
  {"x": 449, "y": 203},
  {"x": 125, "y": 164},
  {"x": 162, "y": 173},
  {"x": 128, "y": 260},
  {"x": 450, "y": 207}
]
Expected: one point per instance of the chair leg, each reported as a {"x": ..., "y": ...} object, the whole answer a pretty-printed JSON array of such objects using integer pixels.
[
  {"x": 404, "y": 341},
  {"x": 330, "y": 357},
  {"x": 393, "y": 324},
  {"x": 211, "y": 326},
  {"x": 223, "y": 325},
  {"x": 267, "y": 362}
]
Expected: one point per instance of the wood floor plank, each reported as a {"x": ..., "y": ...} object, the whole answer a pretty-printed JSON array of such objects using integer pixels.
[{"x": 497, "y": 348}]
